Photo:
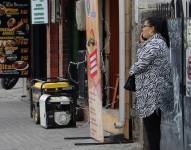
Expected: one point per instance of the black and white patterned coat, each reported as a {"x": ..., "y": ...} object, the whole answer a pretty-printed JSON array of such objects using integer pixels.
[{"x": 153, "y": 73}]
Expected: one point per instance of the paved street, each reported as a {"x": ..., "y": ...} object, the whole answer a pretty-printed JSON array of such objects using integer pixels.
[{"x": 18, "y": 131}]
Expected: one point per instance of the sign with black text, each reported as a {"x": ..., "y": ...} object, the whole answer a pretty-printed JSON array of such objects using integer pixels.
[{"x": 39, "y": 11}]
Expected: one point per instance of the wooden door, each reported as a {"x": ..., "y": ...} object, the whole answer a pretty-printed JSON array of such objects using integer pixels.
[{"x": 114, "y": 45}]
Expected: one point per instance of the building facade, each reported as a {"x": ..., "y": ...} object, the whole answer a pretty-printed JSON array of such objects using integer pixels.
[{"x": 59, "y": 49}]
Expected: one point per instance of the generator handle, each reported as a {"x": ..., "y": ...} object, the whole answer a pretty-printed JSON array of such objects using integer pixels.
[{"x": 33, "y": 81}]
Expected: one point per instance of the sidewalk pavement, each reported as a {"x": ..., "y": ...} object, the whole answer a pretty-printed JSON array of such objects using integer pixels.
[{"x": 19, "y": 132}]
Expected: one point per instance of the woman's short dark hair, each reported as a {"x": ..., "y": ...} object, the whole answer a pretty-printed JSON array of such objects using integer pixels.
[{"x": 160, "y": 25}]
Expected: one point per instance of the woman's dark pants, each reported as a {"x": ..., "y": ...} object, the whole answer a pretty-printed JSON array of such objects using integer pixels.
[{"x": 152, "y": 126}]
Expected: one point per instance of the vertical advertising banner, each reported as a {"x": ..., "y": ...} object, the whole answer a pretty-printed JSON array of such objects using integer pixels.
[
  {"x": 94, "y": 72},
  {"x": 14, "y": 38},
  {"x": 188, "y": 58}
]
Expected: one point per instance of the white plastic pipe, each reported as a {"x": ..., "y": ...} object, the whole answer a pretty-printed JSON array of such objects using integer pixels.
[{"x": 121, "y": 122}]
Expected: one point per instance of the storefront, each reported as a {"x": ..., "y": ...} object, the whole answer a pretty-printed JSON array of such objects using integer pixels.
[{"x": 61, "y": 43}]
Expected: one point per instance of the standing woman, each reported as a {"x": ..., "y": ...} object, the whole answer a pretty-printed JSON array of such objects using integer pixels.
[{"x": 153, "y": 78}]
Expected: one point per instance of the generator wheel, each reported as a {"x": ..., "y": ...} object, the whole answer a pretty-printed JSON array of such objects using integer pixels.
[{"x": 36, "y": 115}]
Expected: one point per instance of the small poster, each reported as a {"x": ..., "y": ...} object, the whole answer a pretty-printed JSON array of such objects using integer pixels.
[
  {"x": 188, "y": 71},
  {"x": 14, "y": 38},
  {"x": 188, "y": 59},
  {"x": 148, "y": 4},
  {"x": 188, "y": 33},
  {"x": 39, "y": 11}
]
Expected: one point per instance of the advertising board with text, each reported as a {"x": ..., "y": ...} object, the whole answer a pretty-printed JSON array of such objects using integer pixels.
[
  {"x": 14, "y": 38},
  {"x": 94, "y": 70}
]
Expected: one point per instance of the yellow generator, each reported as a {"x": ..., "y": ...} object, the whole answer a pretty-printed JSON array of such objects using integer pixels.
[{"x": 53, "y": 103}]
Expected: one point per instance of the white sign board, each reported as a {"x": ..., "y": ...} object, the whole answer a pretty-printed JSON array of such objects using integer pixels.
[{"x": 39, "y": 11}]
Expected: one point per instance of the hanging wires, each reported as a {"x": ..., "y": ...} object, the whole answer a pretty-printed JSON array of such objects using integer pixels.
[
  {"x": 103, "y": 65},
  {"x": 102, "y": 62},
  {"x": 77, "y": 66}
]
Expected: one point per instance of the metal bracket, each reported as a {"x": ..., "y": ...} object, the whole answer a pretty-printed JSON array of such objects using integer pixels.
[{"x": 113, "y": 139}]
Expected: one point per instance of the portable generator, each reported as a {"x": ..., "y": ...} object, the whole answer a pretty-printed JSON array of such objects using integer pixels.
[
  {"x": 56, "y": 111},
  {"x": 53, "y": 103}
]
